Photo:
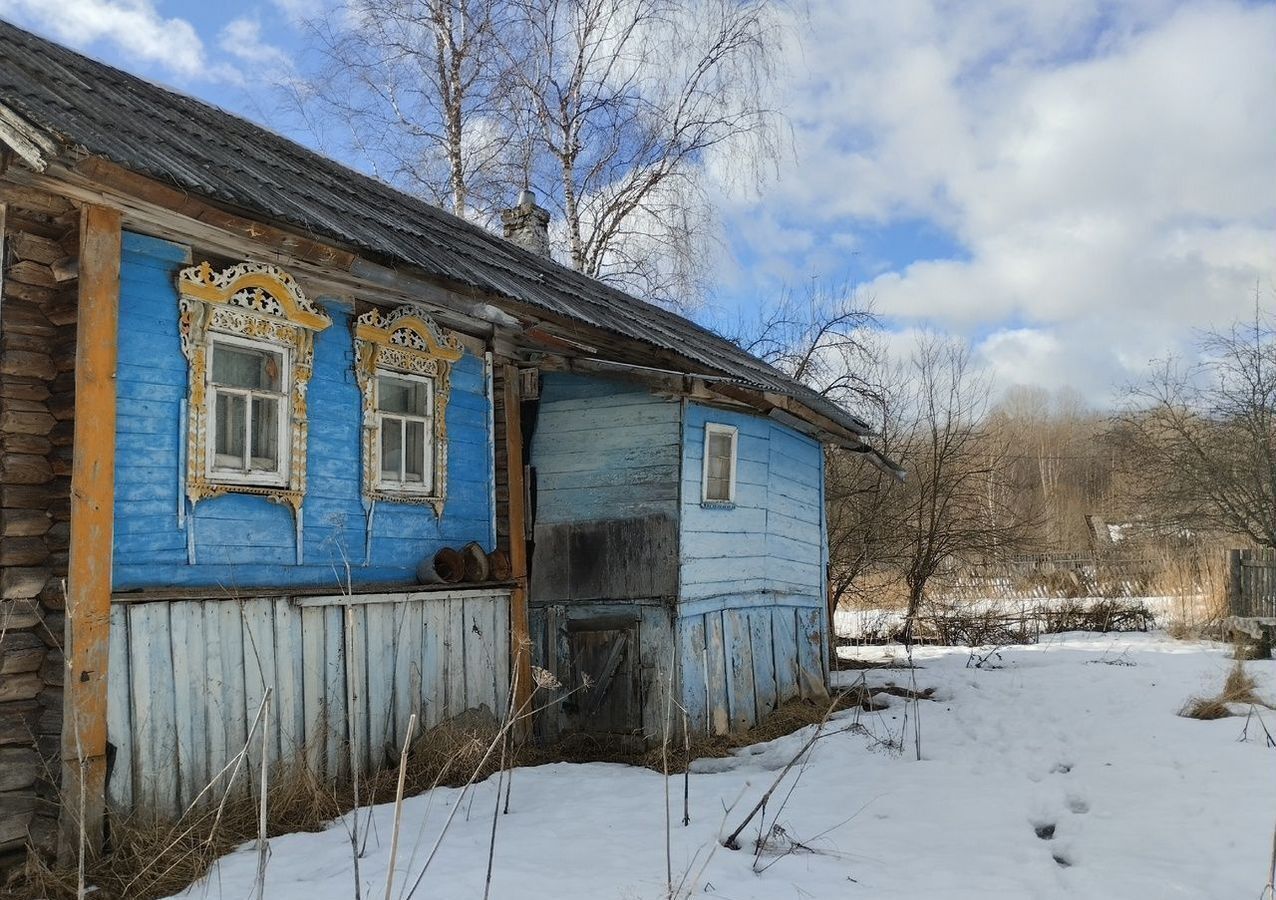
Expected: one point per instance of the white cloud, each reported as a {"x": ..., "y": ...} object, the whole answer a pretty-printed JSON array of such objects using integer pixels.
[
  {"x": 241, "y": 38},
  {"x": 135, "y": 26},
  {"x": 1107, "y": 169}
]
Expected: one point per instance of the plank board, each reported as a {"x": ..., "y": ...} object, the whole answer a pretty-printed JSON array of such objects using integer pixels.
[
  {"x": 153, "y": 709},
  {"x": 810, "y": 640},
  {"x": 784, "y": 642},
  {"x": 119, "y": 724},
  {"x": 764, "y": 686},
  {"x": 190, "y": 691},
  {"x": 739, "y": 653},
  {"x": 691, "y": 672},
  {"x": 718, "y": 686}
]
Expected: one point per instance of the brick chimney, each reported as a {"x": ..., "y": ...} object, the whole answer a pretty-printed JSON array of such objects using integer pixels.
[{"x": 528, "y": 224}]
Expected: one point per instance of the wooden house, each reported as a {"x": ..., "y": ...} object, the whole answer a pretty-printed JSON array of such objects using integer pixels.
[{"x": 246, "y": 392}]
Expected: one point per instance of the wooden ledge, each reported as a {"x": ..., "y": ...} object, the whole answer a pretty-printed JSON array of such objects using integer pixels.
[{"x": 323, "y": 594}]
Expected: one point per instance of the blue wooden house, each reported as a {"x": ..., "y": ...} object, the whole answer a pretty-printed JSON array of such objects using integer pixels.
[{"x": 249, "y": 398}]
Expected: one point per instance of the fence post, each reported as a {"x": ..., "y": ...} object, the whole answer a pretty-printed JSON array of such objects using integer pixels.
[{"x": 1234, "y": 582}]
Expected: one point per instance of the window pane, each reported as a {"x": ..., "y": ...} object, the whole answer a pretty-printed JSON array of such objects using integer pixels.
[
  {"x": 244, "y": 367},
  {"x": 230, "y": 425},
  {"x": 391, "y": 447},
  {"x": 719, "y": 446},
  {"x": 719, "y": 467},
  {"x": 401, "y": 395},
  {"x": 265, "y": 437},
  {"x": 719, "y": 489},
  {"x": 414, "y": 467}
]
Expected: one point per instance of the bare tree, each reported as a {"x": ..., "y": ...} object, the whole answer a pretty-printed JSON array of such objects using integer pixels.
[
  {"x": 415, "y": 89},
  {"x": 1203, "y": 436},
  {"x": 625, "y": 99},
  {"x": 610, "y": 109},
  {"x": 936, "y": 425},
  {"x": 823, "y": 336}
]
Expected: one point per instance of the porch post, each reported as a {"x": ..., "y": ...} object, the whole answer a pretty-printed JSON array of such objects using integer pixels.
[
  {"x": 520, "y": 639},
  {"x": 89, "y": 566}
]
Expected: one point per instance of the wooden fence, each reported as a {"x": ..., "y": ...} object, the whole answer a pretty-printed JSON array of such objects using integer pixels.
[
  {"x": 186, "y": 679},
  {"x": 1251, "y": 583}
]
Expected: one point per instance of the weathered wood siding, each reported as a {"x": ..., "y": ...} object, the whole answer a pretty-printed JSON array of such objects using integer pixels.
[
  {"x": 752, "y": 617},
  {"x": 606, "y": 456},
  {"x": 737, "y": 663},
  {"x": 241, "y": 540},
  {"x": 772, "y": 539},
  {"x": 187, "y": 678}
]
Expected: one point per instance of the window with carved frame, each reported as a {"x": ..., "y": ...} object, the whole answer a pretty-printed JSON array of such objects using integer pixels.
[
  {"x": 403, "y": 363},
  {"x": 248, "y": 334}
]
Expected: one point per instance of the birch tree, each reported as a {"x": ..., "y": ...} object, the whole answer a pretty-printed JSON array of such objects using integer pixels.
[
  {"x": 626, "y": 100},
  {"x": 415, "y": 90}
]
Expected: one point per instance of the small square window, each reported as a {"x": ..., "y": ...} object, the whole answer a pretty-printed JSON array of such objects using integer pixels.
[
  {"x": 719, "y": 464},
  {"x": 246, "y": 393},
  {"x": 404, "y": 408}
]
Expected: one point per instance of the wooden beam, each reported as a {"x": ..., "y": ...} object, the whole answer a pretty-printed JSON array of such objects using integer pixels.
[
  {"x": 88, "y": 600},
  {"x": 520, "y": 635}
]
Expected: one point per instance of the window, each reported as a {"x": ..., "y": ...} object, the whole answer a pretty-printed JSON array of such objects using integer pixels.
[
  {"x": 405, "y": 432},
  {"x": 403, "y": 365},
  {"x": 247, "y": 391},
  {"x": 719, "y": 464},
  {"x": 248, "y": 334}
]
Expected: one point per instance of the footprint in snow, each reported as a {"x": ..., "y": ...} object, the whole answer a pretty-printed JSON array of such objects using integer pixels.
[
  {"x": 1061, "y": 769},
  {"x": 1078, "y": 806},
  {"x": 1045, "y": 832},
  {"x": 1062, "y": 861}
]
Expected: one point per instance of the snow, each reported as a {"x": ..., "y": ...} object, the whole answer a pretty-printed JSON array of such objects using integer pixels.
[{"x": 1076, "y": 737}]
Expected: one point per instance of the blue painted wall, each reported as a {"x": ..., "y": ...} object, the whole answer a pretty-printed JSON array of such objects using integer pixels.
[
  {"x": 603, "y": 450},
  {"x": 772, "y": 539},
  {"x": 242, "y": 540}
]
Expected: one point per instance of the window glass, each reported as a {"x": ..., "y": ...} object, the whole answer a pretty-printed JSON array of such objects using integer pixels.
[
  {"x": 391, "y": 447},
  {"x": 414, "y": 464},
  {"x": 265, "y": 436},
  {"x": 718, "y": 465},
  {"x": 230, "y": 426},
  {"x": 400, "y": 395},
  {"x": 248, "y": 368}
]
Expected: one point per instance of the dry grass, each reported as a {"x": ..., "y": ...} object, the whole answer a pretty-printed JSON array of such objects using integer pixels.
[
  {"x": 150, "y": 859},
  {"x": 1239, "y": 689}
]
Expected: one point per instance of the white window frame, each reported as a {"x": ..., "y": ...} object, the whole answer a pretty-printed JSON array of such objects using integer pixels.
[
  {"x": 425, "y": 487},
  {"x": 712, "y": 428},
  {"x": 212, "y": 471}
]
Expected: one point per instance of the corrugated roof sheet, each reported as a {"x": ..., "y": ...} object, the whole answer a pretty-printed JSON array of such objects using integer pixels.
[{"x": 209, "y": 152}]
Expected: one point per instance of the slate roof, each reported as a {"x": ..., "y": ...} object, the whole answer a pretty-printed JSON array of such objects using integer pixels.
[{"x": 221, "y": 157}]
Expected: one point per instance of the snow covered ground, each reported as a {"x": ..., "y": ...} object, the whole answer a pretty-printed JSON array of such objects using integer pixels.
[{"x": 1075, "y": 739}]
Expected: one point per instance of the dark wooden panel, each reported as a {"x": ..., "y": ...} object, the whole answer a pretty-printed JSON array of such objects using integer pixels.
[{"x": 620, "y": 559}]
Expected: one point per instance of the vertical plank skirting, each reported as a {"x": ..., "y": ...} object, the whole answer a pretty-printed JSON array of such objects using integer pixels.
[
  {"x": 84, "y": 728},
  {"x": 187, "y": 678}
]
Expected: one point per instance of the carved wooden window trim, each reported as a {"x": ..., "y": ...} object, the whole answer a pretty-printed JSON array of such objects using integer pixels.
[
  {"x": 263, "y": 304},
  {"x": 404, "y": 341}
]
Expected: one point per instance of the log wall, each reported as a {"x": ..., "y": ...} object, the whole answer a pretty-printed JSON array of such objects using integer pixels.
[{"x": 37, "y": 402}]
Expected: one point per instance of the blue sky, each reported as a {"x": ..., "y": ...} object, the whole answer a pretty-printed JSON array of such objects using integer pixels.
[{"x": 1071, "y": 185}]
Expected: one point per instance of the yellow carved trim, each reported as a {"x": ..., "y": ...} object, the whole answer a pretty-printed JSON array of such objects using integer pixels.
[{"x": 261, "y": 281}]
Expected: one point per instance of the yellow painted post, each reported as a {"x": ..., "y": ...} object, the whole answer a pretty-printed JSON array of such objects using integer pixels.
[{"x": 92, "y": 511}]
